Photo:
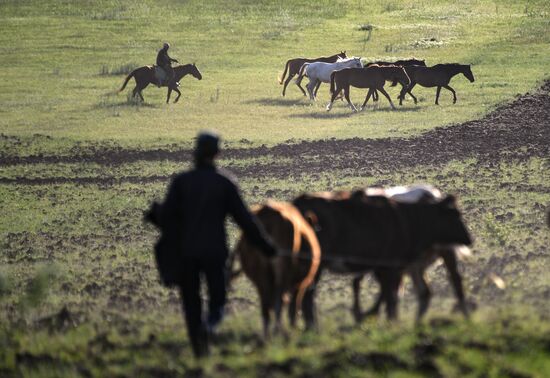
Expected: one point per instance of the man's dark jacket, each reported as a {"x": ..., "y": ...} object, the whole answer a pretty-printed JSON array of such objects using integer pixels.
[
  {"x": 163, "y": 59},
  {"x": 193, "y": 214}
]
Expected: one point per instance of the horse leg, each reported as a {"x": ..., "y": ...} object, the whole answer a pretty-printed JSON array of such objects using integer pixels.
[
  {"x": 423, "y": 292},
  {"x": 356, "y": 309},
  {"x": 179, "y": 95},
  {"x": 383, "y": 91},
  {"x": 409, "y": 91},
  {"x": 437, "y": 95},
  {"x": 346, "y": 95},
  {"x": 449, "y": 258},
  {"x": 309, "y": 87},
  {"x": 452, "y": 90},
  {"x": 369, "y": 93},
  {"x": 333, "y": 98},
  {"x": 299, "y": 84},
  {"x": 137, "y": 92},
  {"x": 317, "y": 88},
  {"x": 286, "y": 83},
  {"x": 168, "y": 95}
]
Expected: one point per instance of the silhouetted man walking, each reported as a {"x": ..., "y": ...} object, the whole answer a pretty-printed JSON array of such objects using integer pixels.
[{"x": 193, "y": 219}]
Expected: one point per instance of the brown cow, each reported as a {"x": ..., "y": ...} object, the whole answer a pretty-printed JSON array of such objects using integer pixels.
[
  {"x": 362, "y": 233},
  {"x": 284, "y": 275}
]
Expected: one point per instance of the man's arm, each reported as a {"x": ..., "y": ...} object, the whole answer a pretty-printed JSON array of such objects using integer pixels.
[{"x": 248, "y": 223}]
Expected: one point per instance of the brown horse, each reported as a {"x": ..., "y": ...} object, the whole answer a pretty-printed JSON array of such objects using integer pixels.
[
  {"x": 373, "y": 77},
  {"x": 146, "y": 75},
  {"x": 293, "y": 67},
  {"x": 436, "y": 76}
]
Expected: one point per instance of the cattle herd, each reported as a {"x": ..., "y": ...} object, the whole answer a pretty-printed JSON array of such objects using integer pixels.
[
  {"x": 342, "y": 72},
  {"x": 390, "y": 232}
]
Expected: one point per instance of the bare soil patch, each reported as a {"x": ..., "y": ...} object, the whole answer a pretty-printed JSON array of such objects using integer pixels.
[{"x": 515, "y": 131}]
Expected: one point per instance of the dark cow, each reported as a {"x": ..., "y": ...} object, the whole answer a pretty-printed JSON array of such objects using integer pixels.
[{"x": 359, "y": 233}]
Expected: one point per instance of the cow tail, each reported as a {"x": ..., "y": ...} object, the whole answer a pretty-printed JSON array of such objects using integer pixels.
[
  {"x": 281, "y": 78},
  {"x": 307, "y": 231},
  {"x": 127, "y": 80}
]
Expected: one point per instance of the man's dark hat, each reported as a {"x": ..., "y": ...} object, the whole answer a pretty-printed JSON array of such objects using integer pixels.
[{"x": 207, "y": 144}]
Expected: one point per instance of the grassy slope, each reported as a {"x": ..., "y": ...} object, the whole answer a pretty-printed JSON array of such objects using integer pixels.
[
  {"x": 103, "y": 270},
  {"x": 52, "y": 56}
]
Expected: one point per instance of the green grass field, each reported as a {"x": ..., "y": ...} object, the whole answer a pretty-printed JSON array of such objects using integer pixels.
[{"x": 83, "y": 246}]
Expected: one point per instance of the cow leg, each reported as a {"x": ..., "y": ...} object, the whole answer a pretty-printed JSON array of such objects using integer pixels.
[
  {"x": 288, "y": 79},
  {"x": 292, "y": 309},
  {"x": 422, "y": 289},
  {"x": 278, "y": 307},
  {"x": 437, "y": 95},
  {"x": 453, "y": 92},
  {"x": 390, "y": 288},
  {"x": 346, "y": 95},
  {"x": 179, "y": 95},
  {"x": 266, "y": 306},
  {"x": 383, "y": 91},
  {"x": 309, "y": 310},
  {"x": 449, "y": 258},
  {"x": 356, "y": 309}
]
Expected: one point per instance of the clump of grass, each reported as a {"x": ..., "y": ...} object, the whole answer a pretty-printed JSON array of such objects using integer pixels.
[{"x": 123, "y": 69}]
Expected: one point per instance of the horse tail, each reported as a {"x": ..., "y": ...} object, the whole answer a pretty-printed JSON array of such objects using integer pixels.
[
  {"x": 127, "y": 80},
  {"x": 332, "y": 82},
  {"x": 281, "y": 78},
  {"x": 302, "y": 72}
]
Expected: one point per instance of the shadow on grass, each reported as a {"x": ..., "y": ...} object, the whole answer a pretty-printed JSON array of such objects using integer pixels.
[
  {"x": 108, "y": 101},
  {"x": 322, "y": 114},
  {"x": 277, "y": 101}
]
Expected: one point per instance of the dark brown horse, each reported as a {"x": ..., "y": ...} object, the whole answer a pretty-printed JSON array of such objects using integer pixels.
[
  {"x": 401, "y": 63},
  {"x": 436, "y": 76},
  {"x": 146, "y": 75},
  {"x": 373, "y": 77},
  {"x": 293, "y": 67}
]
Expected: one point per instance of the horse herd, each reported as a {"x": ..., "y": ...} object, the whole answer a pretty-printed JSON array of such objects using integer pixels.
[
  {"x": 340, "y": 71},
  {"x": 343, "y": 72},
  {"x": 391, "y": 232}
]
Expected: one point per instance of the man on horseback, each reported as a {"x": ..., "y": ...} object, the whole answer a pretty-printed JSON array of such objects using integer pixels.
[{"x": 165, "y": 63}]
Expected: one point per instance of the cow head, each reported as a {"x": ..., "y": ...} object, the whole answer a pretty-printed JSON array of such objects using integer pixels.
[{"x": 448, "y": 225}]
